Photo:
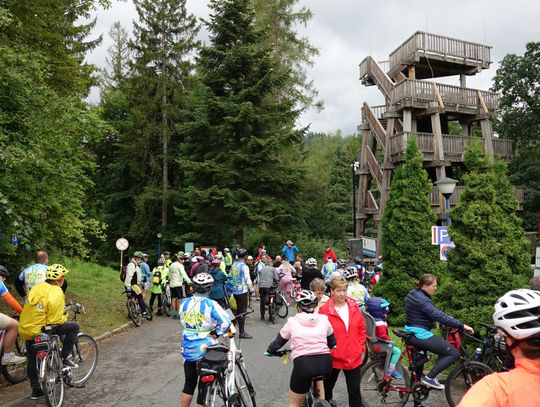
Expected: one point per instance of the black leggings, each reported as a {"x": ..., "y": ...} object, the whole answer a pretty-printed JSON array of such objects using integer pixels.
[
  {"x": 352, "y": 378},
  {"x": 263, "y": 294},
  {"x": 192, "y": 381},
  {"x": 241, "y": 306},
  {"x": 448, "y": 354},
  {"x": 305, "y": 368},
  {"x": 153, "y": 298}
]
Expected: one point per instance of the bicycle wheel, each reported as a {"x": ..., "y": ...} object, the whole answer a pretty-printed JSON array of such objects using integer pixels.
[
  {"x": 52, "y": 382},
  {"x": 375, "y": 393},
  {"x": 214, "y": 395},
  {"x": 462, "y": 378},
  {"x": 133, "y": 311},
  {"x": 272, "y": 311},
  {"x": 16, "y": 373},
  {"x": 244, "y": 386},
  {"x": 166, "y": 301},
  {"x": 495, "y": 360},
  {"x": 85, "y": 354},
  {"x": 281, "y": 310}
]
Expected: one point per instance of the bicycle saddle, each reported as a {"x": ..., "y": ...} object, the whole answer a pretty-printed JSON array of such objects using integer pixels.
[{"x": 402, "y": 334}]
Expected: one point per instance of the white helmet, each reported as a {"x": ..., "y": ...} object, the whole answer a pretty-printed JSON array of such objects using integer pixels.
[
  {"x": 202, "y": 282},
  {"x": 306, "y": 300},
  {"x": 350, "y": 273},
  {"x": 311, "y": 262},
  {"x": 518, "y": 313}
]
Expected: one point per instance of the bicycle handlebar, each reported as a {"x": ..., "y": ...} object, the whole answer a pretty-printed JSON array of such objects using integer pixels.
[{"x": 278, "y": 353}]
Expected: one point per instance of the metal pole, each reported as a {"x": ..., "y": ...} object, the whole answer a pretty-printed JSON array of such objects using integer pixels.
[
  {"x": 447, "y": 208},
  {"x": 158, "y": 248},
  {"x": 353, "y": 201}
]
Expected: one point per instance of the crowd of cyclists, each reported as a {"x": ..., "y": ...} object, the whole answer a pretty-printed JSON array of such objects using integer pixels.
[{"x": 327, "y": 335}]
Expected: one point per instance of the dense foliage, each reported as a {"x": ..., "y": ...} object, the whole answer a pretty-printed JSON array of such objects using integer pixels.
[
  {"x": 518, "y": 82},
  {"x": 406, "y": 223},
  {"x": 491, "y": 254}
]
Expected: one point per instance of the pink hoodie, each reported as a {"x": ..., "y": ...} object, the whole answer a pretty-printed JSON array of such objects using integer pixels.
[{"x": 307, "y": 333}]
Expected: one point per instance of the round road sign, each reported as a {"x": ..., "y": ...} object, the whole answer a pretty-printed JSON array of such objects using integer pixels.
[{"x": 122, "y": 244}]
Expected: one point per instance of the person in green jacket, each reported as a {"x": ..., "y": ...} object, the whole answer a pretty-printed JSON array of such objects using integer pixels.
[
  {"x": 157, "y": 280},
  {"x": 228, "y": 259}
]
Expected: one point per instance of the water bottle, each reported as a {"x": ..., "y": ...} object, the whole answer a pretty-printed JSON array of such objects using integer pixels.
[{"x": 478, "y": 354}]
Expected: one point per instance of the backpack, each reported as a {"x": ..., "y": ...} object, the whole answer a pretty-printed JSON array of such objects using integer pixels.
[
  {"x": 156, "y": 278},
  {"x": 123, "y": 274}
]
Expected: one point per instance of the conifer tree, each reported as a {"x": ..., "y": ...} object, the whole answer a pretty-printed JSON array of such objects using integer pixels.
[
  {"x": 292, "y": 53},
  {"x": 235, "y": 134},
  {"x": 491, "y": 256},
  {"x": 118, "y": 57},
  {"x": 406, "y": 227},
  {"x": 164, "y": 40}
]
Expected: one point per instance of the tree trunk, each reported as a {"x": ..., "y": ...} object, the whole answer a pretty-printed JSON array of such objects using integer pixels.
[{"x": 164, "y": 140}]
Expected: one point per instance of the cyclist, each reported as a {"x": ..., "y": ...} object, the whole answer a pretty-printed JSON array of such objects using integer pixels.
[
  {"x": 8, "y": 324},
  {"x": 285, "y": 272},
  {"x": 32, "y": 274},
  {"x": 420, "y": 317},
  {"x": 517, "y": 315},
  {"x": 45, "y": 306},
  {"x": 310, "y": 273},
  {"x": 328, "y": 268},
  {"x": 241, "y": 288},
  {"x": 178, "y": 277},
  {"x": 355, "y": 290},
  {"x": 157, "y": 281},
  {"x": 133, "y": 280},
  {"x": 329, "y": 252},
  {"x": 289, "y": 251},
  {"x": 227, "y": 259},
  {"x": 311, "y": 337},
  {"x": 199, "y": 316},
  {"x": 268, "y": 279},
  {"x": 218, "y": 293},
  {"x": 146, "y": 273},
  {"x": 168, "y": 261}
]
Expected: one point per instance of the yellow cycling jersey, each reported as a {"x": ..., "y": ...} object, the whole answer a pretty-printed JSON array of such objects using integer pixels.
[{"x": 44, "y": 306}]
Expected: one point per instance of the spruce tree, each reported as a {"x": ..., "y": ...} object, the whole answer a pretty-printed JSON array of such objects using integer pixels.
[
  {"x": 235, "y": 135},
  {"x": 291, "y": 52},
  {"x": 491, "y": 256},
  {"x": 406, "y": 230},
  {"x": 164, "y": 41}
]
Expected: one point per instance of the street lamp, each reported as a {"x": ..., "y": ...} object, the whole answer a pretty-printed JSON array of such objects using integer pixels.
[
  {"x": 159, "y": 236},
  {"x": 354, "y": 167},
  {"x": 446, "y": 187}
]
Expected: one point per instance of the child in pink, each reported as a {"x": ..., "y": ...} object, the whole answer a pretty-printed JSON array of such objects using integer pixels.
[{"x": 311, "y": 337}]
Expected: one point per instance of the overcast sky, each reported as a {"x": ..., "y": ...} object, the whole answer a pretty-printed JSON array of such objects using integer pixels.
[{"x": 346, "y": 31}]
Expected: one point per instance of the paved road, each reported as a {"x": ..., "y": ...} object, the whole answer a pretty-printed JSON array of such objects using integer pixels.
[{"x": 143, "y": 367}]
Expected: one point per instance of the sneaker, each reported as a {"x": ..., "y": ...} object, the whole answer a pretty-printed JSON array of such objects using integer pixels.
[
  {"x": 70, "y": 363},
  {"x": 332, "y": 403},
  {"x": 36, "y": 394},
  {"x": 433, "y": 383},
  {"x": 395, "y": 374},
  {"x": 262, "y": 317},
  {"x": 12, "y": 359},
  {"x": 245, "y": 335}
]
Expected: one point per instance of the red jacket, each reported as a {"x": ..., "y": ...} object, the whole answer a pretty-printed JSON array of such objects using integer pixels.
[
  {"x": 351, "y": 343},
  {"x": 329, "y": 253}
]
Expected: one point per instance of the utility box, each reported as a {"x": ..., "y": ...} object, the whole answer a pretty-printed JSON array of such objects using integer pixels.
[{"x": 355, "y": 247}]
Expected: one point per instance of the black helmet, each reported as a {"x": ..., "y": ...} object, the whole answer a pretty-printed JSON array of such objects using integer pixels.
[
  {"x": 358, "y": 260},
  {"x": 306, "y": 300},
  {"x": 242, "y": 253},
  {"x": 4, "y": 272}
]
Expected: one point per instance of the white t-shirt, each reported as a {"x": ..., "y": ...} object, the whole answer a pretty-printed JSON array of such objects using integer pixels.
[{"x": 343, "y": 313}]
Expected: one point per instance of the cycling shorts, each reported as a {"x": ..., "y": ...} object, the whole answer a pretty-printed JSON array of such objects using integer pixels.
[
  {"x": 306, "y": 368},
  {"x": 4, "y": 321},
  {"x": 176, "y": 292}
]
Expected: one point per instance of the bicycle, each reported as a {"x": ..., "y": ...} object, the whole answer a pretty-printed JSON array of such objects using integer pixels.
[
  {"x": 166, "y": 299},
  {"x": 134, "y": 309},
  {"x": 14, "y": 373},
  {"x": 52, "y": 374},
  {"x": 72, "y": 309},
  {"x": 276, "y": 305},
  {"x": 312, "y": 398},
  {"x": 225, "y": 376},
  {"x": 376, "y": 384}
]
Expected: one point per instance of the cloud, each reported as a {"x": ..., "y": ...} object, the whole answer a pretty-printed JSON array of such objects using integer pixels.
[{"x": 346, "y": 31}]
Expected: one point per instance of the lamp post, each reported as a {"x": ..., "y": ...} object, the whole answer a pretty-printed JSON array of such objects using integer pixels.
[
  {"x": 159, "y": 236},
  {"x": 446, "y": 187},
  {"x": 354, "y": 167}
]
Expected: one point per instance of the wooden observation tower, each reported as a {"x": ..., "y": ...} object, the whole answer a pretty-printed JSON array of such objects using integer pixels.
[{"x": 414, "y": 102}]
